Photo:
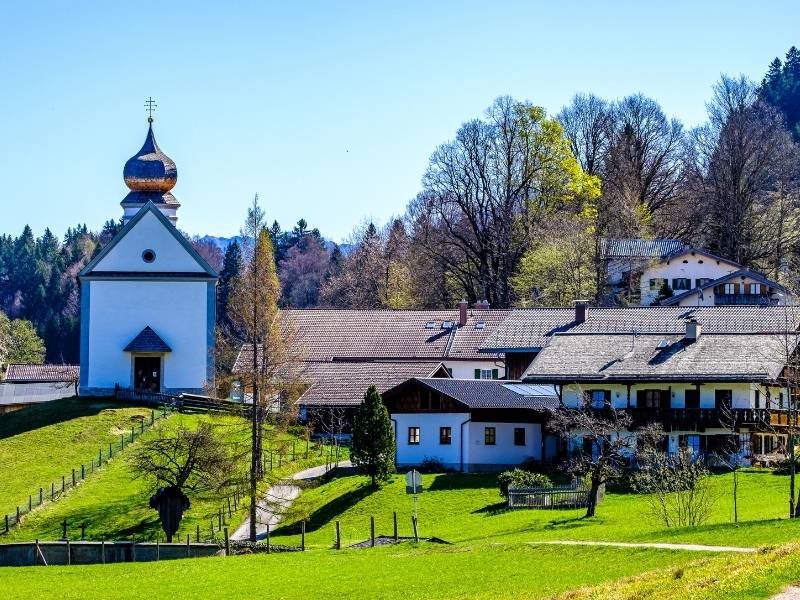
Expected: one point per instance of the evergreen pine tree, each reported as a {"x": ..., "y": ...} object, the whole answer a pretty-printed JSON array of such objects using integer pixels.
[
  {"x": 373, "y": 438},
  {"x": 231, "y": 268}
]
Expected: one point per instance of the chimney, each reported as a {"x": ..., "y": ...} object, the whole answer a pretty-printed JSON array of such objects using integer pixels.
[
  {"x": 581, "y": 311},
  {"x": 693, "y": 330},
  {"x": 482, "y": 305},
  {"x": 462, "y": 313}
]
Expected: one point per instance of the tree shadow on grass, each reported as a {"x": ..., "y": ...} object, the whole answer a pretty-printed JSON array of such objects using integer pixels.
[
  {"x": 497, "y": 508},
  {"x": 325, "y": 513},
  {"x": 571, "y": 523},
  {"x": 50, "y": 413},
  {"x": 463, "y": 481}
]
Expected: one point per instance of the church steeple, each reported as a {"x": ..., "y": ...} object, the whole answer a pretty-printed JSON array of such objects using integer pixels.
[{"x": 150, "y": 175}]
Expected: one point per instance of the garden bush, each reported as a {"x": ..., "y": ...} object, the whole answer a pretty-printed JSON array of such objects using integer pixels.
[{"x": 519, "y": 478}]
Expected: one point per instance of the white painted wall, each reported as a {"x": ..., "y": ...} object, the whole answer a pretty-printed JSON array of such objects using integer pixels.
[
  {"x": 504, "y": 452},
  {"x": 429, "y": 446},
  {"x": 687, "y": 265},
  {"x": 709, "y": 295},
  {"x": 743, "y": 394},
  {"x": 149, "y": 233},
  {"x": 465, "y": 369},
  {"x": 176, "y": 311}
]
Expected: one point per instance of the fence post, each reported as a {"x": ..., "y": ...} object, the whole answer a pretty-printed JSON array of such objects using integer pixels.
[
  {"x": 41, "y": 496},
  {"x": 30, "y": 502},
  {"x": 69, "y": 554},
  {"x": 83, "y": 471},
  {"x": 372, "y": 531},
  {"x": 103, "y": 551},
  {"x": 158, "y": 547},
  {"x": 338, "y": 537},
  {"x": 414, "y": 523},
  {"x": 303, "y": 535},
  {"x": 142, "y": 426},
  {"x": 6, "y": 523},
  {"x": 17, "y": 516},
  {"x": 63, "y": 483},
  {"x": 227, "y": 543},
  {"x": 100, "y": 458},
  {"x": 152, "y": 417},
  {"x": 110, "y": 450},
  {"x": 198, "y": 533},
  {"x": 133, "y": 548},
  {"x": 230, "y": 514},
  {"x": 188, "y": 547},
  {"x": 53, "y": 491},
  {"x": 73, "y": 477},
  {"x": 122, "y": 441},
  {"x": 83, "y": 531},
  {"x": 394, "y": 520},
  {"x": 267, "y": 538},
  {"x": 293, "y": 450},
  {"x": 132, "y": 433}
]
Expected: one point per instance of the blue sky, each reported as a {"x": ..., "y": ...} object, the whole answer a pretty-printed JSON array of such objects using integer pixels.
[{"x": 329, "y": 110}]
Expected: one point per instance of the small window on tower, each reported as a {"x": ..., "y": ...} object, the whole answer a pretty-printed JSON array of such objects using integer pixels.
[{"x": 148, "y": 256}]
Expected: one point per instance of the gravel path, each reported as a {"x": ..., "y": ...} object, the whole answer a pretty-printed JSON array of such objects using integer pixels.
[
  {"x": 279, "y": 497},
  {"x": 659, "y": 545},
  {"x": 790, "y": 593}
]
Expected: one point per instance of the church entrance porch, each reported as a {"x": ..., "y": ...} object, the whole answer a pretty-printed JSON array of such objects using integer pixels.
[{"x": 147, "y": 373}]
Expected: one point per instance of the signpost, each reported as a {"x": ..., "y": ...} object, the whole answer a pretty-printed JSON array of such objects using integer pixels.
[{"x": 414, "y": 486}]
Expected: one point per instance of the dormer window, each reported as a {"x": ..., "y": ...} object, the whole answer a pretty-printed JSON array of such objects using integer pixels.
[{"x": 148, "y": 256}]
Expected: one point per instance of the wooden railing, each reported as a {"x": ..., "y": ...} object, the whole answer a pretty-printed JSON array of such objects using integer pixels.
[
  {"x": 181, "y": 402},
  {"x": 711, "y": 417}
]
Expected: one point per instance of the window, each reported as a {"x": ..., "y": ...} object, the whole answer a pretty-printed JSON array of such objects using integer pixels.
[
  {"x": 600, "y": 398},
  {"x": 148, "y": 256},
  {"x": 780, "y": 401},
  {"x": 692, "y": 442},
  {"x": 487, "y": 373},
  {"x": 723, "y": 399},
  {"x": 755, "y": 288},
  {"x": 445, "y": 436},
  {"x": 413, "y": 436},
  {"x": 430, "y": 324},
  {"x": 729, "y": 289},
  {"x": 681, "y": 283},
  {"x": 480, "y": 325},
  {"x": 657, "y": 283},
  {"x": 519, "y": 436},
  {"x": 758, "y": 399},
  {"x": 447, "y": 325},
  {"x": 652, "y": 399},
  {"x": 692, "y": 398},
  {"x": 701, "y": 281},
  {"x": 490, "y": 436}
]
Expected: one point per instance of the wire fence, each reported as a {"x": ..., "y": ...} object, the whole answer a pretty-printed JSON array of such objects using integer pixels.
[{"x": 57, "y": 489}]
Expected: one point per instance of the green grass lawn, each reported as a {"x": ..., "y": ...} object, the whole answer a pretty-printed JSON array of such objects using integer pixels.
[
  {"x": 467, "y": 508},
  {"x": 115, "y": 505},
  {"x": 429, "y": 571},
  {"x": 41, "y": 443}
]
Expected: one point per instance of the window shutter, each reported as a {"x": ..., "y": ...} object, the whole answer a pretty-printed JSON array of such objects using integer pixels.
[
  {"x": 477, "y": 373},
  {"x": 640, "y": 398},
  {"x": 495, "y": 373}
]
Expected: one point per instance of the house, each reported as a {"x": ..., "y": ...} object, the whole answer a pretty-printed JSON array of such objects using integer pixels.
[
  {"x": 623, "y": 256},
  {"x": 25, "y": 384},
  {"x": 695, "y": 277},
  {"x": 148, "y": 299},
  {"x": 340, "y": 352},
  {"x": 471, "y": 425},
  {"x": 334, "y": 389},
  {"x": 712, "y": 377}
]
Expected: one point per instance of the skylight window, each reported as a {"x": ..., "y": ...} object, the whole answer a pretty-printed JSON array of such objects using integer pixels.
[
  {"x": 480, "y": 325},
  {"x": 430, "y": 324},
  {"x": 662, "y": 344},
  {"x": 447, "y": 325}
]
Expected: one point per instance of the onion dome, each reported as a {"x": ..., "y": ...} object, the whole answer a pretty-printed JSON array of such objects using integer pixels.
[{"x": 150, "y": 175}]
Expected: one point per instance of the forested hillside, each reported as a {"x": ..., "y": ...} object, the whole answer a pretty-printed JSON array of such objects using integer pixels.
[{"x": 510, "y": 210}]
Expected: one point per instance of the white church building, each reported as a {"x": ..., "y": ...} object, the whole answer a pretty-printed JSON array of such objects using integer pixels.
[{"x": 148, "y": 299}]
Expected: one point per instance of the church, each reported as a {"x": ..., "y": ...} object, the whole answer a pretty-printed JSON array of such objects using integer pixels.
[{"x": 148, "y": 299}]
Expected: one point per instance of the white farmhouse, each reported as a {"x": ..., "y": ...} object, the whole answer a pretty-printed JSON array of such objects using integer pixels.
[{"x": 148, "y": 298}]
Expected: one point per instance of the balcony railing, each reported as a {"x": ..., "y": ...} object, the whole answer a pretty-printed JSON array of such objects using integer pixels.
[
  {"x": 691, "y": 418},
  {"x": 744, "y": 299}
]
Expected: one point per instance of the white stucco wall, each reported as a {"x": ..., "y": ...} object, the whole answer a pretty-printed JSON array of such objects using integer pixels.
[
  {"x": 688, "y": 266},
  {"x": 465, "y": 369},
  {"x": 708, "y": 298},
  {"x": 429, "y": 446},
  {"x": 149, "y": 233},
  {"x": 175, "y": 310},
  {"x": 504, "y": 452},
  {"x": 743, "y": 394}
]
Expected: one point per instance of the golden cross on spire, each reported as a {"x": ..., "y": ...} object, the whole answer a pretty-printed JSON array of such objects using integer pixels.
[{"x": 150, "y": 106}]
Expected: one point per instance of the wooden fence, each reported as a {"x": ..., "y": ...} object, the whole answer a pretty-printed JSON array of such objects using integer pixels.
[
  {"x": 575, "y": 495},
  {"x": 181, "y": 401},
  {"x": 57, "y": 489}
]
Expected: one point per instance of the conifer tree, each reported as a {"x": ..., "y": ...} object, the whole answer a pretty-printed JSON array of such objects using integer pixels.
[{"x": 373, "y": 438}]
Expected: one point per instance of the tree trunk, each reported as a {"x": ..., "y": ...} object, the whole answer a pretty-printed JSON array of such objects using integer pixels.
[{"x": 594, "y": 491}]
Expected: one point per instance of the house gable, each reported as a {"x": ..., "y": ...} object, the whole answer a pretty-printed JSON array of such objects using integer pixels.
[{"x": 148, "y": 244}]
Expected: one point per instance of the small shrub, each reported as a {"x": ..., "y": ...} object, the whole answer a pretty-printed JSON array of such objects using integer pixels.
[
  {"x": 431, "y": 465},
  {"x": 518, "y": 478}
]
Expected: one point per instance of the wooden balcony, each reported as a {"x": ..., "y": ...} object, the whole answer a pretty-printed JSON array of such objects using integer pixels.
[
  {"x": 690, "y": 419},
  {"x": 744, "y": 299}
]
